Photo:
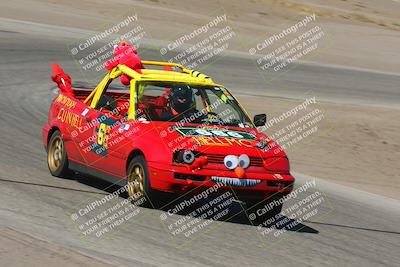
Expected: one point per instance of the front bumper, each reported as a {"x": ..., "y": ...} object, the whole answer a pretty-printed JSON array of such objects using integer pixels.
[{"x": 177, "y": 179}]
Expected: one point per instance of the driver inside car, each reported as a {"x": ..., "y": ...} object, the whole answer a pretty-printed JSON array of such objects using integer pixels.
[{"x": 181, "y": 105}]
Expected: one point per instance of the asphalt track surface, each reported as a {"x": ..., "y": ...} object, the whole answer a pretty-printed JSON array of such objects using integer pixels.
[{"x": 354, "y": 229}]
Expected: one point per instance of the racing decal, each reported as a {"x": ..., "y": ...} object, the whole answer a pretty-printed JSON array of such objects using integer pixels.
[
  {"x": 214, "y": 132},
  {"x": 103, "y": 134},
  {"x": 66, "y": 116},
  {"x": 226, "y": 95},
  {"x": 221, "y": 141},
  {"x": 66, "y": 101},
  {"x": 263, "y": 144},
  {"x": 100, "y": 146},
  {"x": 70, "y": 118}
]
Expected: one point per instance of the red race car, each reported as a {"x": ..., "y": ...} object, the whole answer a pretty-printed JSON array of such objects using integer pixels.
[{"x": 166, "y": 128}]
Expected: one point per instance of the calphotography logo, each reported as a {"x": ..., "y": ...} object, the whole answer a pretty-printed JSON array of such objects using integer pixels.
[
  {"x": 202, "y": 45},
  {"x": 296, "y": 42},
  {"x": 303, "y": 204},
  {"x": 92, "y": 53},
  {"x": 190, "y": 217},
  {"x": 107, "y": 214}
]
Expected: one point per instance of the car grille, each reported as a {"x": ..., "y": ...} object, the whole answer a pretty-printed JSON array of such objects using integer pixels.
[
  {"x": 219, "y": 159},
  {"x": 181, "y": 176}
]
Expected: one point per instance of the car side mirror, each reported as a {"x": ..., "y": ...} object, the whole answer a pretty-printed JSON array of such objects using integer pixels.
[{"x": 260, "y": 120}]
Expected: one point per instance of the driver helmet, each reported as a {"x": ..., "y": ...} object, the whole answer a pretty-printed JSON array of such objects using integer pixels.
[{"x": 181, "y": 98}]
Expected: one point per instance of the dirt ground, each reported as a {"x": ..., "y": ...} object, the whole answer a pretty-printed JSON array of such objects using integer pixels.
[
  {"x": 360, "y": 34},
  {"x": 31, "y": 251},
  {"x": 355, "y": 146}
]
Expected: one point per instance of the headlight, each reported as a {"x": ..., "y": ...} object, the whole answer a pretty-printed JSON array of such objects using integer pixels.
[
  {"x": 188, "y": 156},
  {"x": 184, "y": 156}
]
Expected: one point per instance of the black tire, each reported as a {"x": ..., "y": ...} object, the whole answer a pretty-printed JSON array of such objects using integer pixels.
[
  {"x": 57, "y": 159},
  {"x": 138, "y": 184}
]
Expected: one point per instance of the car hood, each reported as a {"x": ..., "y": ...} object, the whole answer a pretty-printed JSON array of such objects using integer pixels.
[{"x": 211, "y": 139}]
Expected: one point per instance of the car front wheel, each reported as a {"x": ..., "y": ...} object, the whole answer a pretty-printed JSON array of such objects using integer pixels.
[{"x": 138, "y": 184}]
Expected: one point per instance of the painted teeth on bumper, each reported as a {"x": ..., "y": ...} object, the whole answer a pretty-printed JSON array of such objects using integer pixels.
[{"x": 235, "y": 181}]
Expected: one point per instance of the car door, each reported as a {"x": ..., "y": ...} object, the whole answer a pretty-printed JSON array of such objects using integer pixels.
[{"x": 104, "y": 143}]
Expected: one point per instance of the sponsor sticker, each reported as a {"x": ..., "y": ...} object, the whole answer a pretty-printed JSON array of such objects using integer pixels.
[{"x": 212, "y": 132}]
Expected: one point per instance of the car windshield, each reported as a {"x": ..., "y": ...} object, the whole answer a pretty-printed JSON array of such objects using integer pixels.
[{"x": 189, "y": 103}]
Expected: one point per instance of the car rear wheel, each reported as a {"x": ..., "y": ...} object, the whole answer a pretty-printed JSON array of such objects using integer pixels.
[
  {"x": 57, "y": 159},
  {"x": 138, "y": 184}
]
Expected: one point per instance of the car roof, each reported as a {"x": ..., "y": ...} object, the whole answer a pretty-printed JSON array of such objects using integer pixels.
[{"x": 177, "y": 73}]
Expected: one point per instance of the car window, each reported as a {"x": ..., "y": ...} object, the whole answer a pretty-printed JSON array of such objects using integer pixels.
[
  {"x": 202, "y": 104},
  {"x": 115, "y": 99}
]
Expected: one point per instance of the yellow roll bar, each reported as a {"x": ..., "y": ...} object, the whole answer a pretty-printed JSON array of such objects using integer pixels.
[{"x": 117, "y": 71}]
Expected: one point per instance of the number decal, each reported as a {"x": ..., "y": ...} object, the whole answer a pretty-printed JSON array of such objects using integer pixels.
[
  {"x": 235, "y": 134},
  {"x": 203, "y": 132},
  {"x": 220, "y": 133},
  {"x": 192, "y": 131},
  {"x": 102, "y": 135}
]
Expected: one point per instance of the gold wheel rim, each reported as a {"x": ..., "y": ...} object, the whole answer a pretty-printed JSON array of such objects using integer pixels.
[
  {"x": 55, "y": 154},
  {"x": 136, "y": 182}
]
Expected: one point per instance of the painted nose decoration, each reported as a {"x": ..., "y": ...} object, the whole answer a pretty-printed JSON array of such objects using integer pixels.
[
  {"x": 240, "y": 172},
  {"x": 238, "y": 164}
]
